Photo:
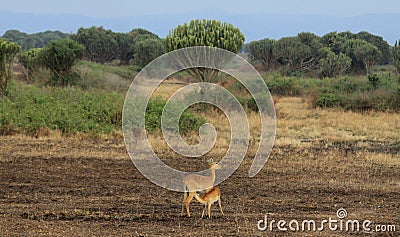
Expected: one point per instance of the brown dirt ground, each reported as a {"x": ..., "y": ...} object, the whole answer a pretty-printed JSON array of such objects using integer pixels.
[{"x": 60, "y": 186}]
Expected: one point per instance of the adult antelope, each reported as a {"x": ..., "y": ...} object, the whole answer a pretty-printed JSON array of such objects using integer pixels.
[
  {"x": 208, "y": 199},
  {"x": 194, "y": 182}
]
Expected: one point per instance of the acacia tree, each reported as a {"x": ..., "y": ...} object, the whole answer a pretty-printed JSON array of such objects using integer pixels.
[
  {"x": 59, "y": 56},
  {"x": 8, "y": 50},
  {"x": 205, "y": 33},
  {"x": 261, "y": 50}
]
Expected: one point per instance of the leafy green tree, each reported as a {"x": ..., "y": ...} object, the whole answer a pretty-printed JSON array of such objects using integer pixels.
[
  {"x": 137, "y": 32},
  {"x": 379, "y": 42},
  {"x": 261, "y": 50},
  {"x": 100, "y": 44},
  {"x": 369, "y": 54},
  {"x": 205, "y": 33},
  {"x": 290, "y": 51},
  {"x": 59, "y": 56},
  {"x": 147, "y": 50},
  {"x": 334, "y": 64},
  {"x": 126, "y": 43},
  {"x": 334, "y": 40},
  {"x": 312, "y": 41},
  {"x": 396, "y": 55},
  {"x": 29, "y": 61},
  {"x": 349, "y": 47},
  {"x": 8, "y": 51},
  {"x": 125, "y": 47}
]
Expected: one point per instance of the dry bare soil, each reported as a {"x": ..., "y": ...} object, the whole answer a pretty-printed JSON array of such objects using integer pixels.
[{"x": 322, "y": 161}]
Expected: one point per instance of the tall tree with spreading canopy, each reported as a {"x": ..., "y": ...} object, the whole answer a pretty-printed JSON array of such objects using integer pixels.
[
  {"x": 100, "y": 44},
  {"x": 204, "y": 32},
  {"x": 8, "y": 51}
]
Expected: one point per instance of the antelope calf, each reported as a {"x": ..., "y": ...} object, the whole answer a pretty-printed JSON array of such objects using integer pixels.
[{"x": 208, "y": 199}]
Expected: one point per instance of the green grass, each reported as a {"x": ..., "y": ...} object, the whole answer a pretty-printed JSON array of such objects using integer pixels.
[
  {"x": 69, "y": 110},
  {"x": 380, "y": 91},
  {"x": 105, "y": 77},
  {"x": 30, "y": 108}
]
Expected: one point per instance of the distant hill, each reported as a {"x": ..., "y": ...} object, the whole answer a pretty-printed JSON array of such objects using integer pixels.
[{"x": 254, "y": 26}]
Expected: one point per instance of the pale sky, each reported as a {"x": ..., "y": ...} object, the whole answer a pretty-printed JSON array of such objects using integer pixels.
[
  {"x": 256, "y": 18},
  {"x": 98, "y": 8}
]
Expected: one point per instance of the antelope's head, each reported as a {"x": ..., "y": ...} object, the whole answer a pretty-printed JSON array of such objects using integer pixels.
[{"x": 213, "y": 164}]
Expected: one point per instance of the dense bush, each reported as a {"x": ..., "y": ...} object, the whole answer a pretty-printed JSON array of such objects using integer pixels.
[
  {"x": 375, "y": 92},
  {"x": 188, "y": 121},
  {"x": 69, "y": 110}
]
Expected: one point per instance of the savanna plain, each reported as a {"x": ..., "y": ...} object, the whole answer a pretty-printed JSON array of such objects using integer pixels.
[{"x": 322, "y": 160}]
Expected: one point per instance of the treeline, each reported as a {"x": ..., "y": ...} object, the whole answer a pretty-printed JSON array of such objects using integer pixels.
[
  {"x": 104, "y": 46},
  {"x": 29, "y": 41},
  {"x": 332, "y": 54},
  {"x": 59, "y": 52},
  {"x": 101, "y": 45}
]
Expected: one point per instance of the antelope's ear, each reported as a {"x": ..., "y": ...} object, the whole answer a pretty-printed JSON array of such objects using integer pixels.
[{"x": 210, "y": 161}]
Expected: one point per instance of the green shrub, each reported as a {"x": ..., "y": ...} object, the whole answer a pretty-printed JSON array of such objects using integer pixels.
[
  {"x": 374, "y": 80},
  {"x": 69, "y": 110},
  {"x": 187, "y": 122},
  {"x": 328, "y": 100}
]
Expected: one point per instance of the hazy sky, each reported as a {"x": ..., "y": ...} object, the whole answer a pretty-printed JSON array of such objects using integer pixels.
[{"x": 98, "y": 8}]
